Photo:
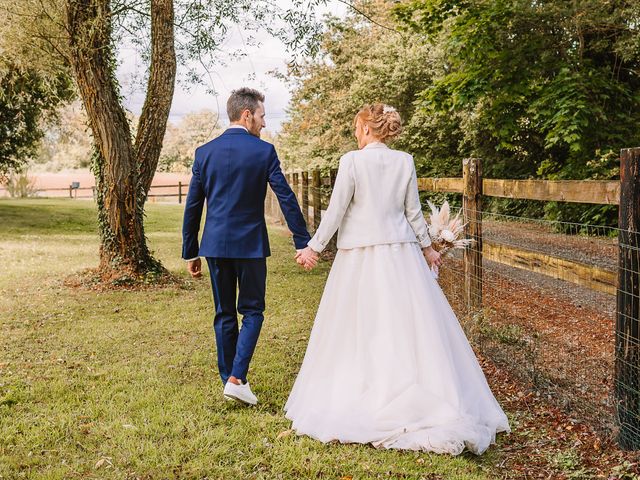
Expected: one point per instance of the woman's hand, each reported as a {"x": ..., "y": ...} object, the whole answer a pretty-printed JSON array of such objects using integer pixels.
[
  {"x": 307, "y": 258},
  {"x": 434, "y": 259}
]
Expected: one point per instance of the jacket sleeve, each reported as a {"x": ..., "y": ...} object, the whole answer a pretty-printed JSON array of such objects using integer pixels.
[
  {"x": 192, "y": 214},
  {"x": 413, "y": 210},
  {"x": 288, "y": 202},
  {"x": 340, "y": 199}
]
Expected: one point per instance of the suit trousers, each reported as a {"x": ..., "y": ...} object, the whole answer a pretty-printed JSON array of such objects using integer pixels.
[{"x": 247, "y": 277}]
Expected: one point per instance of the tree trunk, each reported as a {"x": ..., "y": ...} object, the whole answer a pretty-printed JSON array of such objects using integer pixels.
[
  {"x": 155, "y": 113},
  {"x": 123, "y": 170}
]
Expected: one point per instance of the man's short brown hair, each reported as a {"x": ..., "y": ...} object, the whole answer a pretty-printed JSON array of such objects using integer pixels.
[{"x": 241, "y": 100}]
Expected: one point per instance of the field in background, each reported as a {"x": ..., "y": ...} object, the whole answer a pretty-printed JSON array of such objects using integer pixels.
[{"x": 57, "y": 184}]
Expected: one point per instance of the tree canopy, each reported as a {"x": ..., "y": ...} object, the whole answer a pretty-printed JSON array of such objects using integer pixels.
[
  {"x": 27, "y": 100},
  {"x": 538, "y": 89},
  {"x": 81, "y": 38}
]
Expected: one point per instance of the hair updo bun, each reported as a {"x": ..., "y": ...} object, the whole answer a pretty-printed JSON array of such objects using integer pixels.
[{"x": 383, "y": 120}]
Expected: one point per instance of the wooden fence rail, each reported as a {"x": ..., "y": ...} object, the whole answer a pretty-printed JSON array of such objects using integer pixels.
[
  {"x": 602, "y": 192},
  {"x": 578, "y": 191},
  {"x": 73, "y": 191}
]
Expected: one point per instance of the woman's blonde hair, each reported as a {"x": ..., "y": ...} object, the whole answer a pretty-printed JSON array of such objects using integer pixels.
[{"x": 383, "y": 120}]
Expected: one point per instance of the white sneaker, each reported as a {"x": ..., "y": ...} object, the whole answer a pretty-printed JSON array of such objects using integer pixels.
[{"x": 240, "y": 393}]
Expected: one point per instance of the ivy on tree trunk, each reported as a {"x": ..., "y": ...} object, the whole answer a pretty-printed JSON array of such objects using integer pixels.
[{"x": 123, "y": 166}]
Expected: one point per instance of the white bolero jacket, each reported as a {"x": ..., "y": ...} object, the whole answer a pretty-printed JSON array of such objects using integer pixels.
[{"x": 374, "y": 201}]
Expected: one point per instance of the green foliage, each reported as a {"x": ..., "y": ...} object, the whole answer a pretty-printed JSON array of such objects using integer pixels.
[
  {"x": 67, "y": 143},
  {"x": 541, "y": 88},
  {"x": 359, "y": 64},
  {"x": 20, "y": 185},
  {"x": 182, "y": 139},
  {"x": 27, "y": 99},
  {"x": 536, "y": 89}
]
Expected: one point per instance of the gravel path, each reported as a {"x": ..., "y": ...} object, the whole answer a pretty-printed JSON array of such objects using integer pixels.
[{"x": 597, "y": 251}]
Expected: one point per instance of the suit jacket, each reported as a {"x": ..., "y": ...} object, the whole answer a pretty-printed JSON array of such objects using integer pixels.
[
  {"x": 230, "y": 175},
  {"x": 375, "y": 201}
]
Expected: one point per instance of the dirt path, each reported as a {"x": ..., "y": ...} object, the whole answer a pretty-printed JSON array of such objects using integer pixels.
[
  {"x": 600, "y": 251},
  {"x": 553, "y": 335}
]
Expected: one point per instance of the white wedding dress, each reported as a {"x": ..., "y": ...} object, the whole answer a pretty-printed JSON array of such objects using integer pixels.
[{"x": 387, "y": 361}]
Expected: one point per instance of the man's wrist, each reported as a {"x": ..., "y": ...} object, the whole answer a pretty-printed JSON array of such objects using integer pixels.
[{"x": 191, "y": 259}]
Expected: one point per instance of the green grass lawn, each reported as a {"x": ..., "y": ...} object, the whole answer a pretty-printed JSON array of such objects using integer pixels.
[{"x": 124, "y": 384}]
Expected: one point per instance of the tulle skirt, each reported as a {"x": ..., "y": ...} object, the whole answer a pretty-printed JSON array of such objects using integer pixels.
[{"x": 388, "y": 363}]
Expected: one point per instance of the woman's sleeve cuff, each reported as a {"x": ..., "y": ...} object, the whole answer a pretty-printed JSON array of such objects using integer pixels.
[
  {"x": 425, "y": 240},
  {"x": 316, "y": 245}
]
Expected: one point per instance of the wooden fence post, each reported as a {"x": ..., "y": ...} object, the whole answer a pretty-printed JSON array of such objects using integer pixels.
[
  {"x": 275, "y": 207},
  {"x": 179, "y": 192},
  {"x": 305, "y": 197},
  {"x": 267, "y": 203},
  {"x": 276, "y": 203},
  {"x": 627, "y": 342},
  {"x": 472, "y": 211},
  {"x": 296, "y": 185},
  {"x": 315, "y": 198}
]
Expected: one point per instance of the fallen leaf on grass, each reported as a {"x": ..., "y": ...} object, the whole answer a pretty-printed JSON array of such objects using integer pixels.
[
  {"x": 100, "y": 463},
  {"x": 85, "y": 427},
  {"x": 283, "y": 434}
]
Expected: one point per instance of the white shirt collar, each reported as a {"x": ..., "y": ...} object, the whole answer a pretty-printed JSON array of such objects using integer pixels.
[
  {"x": 374, "y": 145},
  {"x": 237, "y": 126}
]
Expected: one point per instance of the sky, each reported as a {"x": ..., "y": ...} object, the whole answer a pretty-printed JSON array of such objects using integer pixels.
[{"x": 252, "y": 70}]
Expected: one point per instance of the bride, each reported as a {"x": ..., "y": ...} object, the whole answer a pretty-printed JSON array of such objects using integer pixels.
[{"x": 387, "y": 361}]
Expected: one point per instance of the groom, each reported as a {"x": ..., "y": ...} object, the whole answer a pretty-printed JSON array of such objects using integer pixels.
[{"x": 230, "y": 175}]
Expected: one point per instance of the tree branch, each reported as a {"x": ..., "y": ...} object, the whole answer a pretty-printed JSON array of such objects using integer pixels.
[
  {"x": 155, "y": 112},
  {"x": 368, "y": 17}
]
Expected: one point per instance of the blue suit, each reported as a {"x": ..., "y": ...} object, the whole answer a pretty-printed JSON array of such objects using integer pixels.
[{"x": 230, "y": 175}]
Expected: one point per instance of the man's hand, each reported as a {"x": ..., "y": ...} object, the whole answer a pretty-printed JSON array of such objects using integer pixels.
[
  {"x": 307, "y": 258},
  {"x": 195, "y": 268},
  {"x": 434, "y": 259}
]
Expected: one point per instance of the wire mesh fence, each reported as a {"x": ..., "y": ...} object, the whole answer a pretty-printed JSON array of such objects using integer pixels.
[
  {"x": 551, "y": 334},
  {"x": 552, "y": 303},
  {"x": 627, "y": 341}
]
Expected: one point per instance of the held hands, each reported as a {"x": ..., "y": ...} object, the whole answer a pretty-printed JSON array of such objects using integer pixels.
[
  {"x": 307, "y": 258},
  {"x": 433, "y": 258},
  {"x": 195, "y": 268}
]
